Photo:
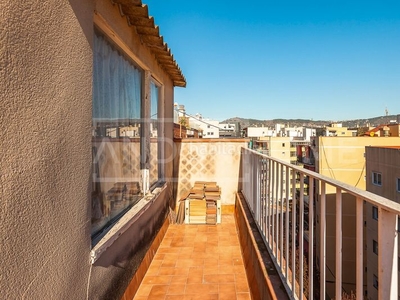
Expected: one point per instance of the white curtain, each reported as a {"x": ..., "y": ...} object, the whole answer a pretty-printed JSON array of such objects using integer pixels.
[{"x": 116, "y": 84}]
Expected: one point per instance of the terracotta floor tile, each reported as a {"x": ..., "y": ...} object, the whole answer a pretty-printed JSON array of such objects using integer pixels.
[
  {"x": 152, "y": 271},
  {"x": 166, "y": 271},
  {"x": 225, "y": 278},
  {"x": 184, "y": 271},
  {"x": 211, "y": 278},
  {"x": 177, "y": 244},
  {"x": 159, "y": 256},
  {"x": 230, "y": 296},
  {"x": 226, "y": 269},
  {"x": 210, "y": 270},
  {"x": 242, "y": 287},
  {"x": 156, "y": 279},
  {"x": 227, "y": 288},
  {"x": 176, "y": 289},
  {"x": 144, "y": 290},
  {"x": 168, "y": 264},
  {"x": 197, "y": 262},
  {"x": 243, "y": 296},
  {"x": 202, "y": 289},
  {"x": 178, "y": 279},
  {"x": 156, "y": 264},
  {"x": 158, "y": 290},
  {"x": 195, "y": 279},
  {"x": 240, "y": 270},
  {"x": 175, "y": 297},
  {"x": 201, "y": 297}
]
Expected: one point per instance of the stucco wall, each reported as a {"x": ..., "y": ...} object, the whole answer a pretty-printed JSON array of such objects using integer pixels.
[
  {"x": 45, "y": 87},
  {"x": 45, "y": 147}
]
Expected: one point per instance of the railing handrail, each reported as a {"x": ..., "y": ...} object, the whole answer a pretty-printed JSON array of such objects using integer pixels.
[{"x": 375, "y": 199}]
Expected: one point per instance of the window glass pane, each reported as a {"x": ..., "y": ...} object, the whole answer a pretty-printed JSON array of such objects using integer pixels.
[
  {"x": 116, "y": 138},
  {"x": 376, "y": 178},
  {"x": 375, "y": 212},
  {"x": 375, "y": 246},
  {"x": 154, "y": 133}
]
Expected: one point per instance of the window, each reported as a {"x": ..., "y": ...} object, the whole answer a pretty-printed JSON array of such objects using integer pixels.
[
  {"x": 375, "y": 247},
  {"x": 375, "y": 281},
  {"x": 398, "y": 224},
  {"x": 398, "y": 185},
  {"x": 376, "y": 178},
  {"x": 374, "y": 213},
  {"x": 117, "y": 125},
  {"x": 398, "y": 264},
  {"x": 154, "y": 133}
]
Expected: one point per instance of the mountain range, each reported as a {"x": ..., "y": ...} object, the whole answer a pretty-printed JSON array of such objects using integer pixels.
[{"x": 376, "y": 121}]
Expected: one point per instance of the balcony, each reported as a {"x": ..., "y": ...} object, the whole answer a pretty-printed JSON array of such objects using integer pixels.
[{"x": 302, "y": 235}]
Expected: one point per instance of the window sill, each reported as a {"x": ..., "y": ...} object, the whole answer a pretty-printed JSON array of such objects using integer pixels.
[{"x": 124, "y": 223}]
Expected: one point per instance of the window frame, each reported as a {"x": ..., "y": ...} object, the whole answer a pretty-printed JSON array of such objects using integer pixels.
[
  {"x": 160, "y": 131},
  {"x": 376, "y": 178},
  {"x": 100, "y": 237},
  {"x": 375, "y": 281},
  {"x": 375, "y": 247},
  {"x": 398, "y": 184},
  {"x": 375, "y": 213}
]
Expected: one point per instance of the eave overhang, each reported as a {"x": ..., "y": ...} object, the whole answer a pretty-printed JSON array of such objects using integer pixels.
[{"x": 138, "y": 17}]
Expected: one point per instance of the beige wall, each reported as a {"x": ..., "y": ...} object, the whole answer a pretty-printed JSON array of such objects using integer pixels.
[
  {"x": 280, "y": 148},
  {"x": 208, "y": 160},
  {"x": 342, "y": 158},
  {"x": 387, "y": 162},
  {"x": 45, "y": 142}
]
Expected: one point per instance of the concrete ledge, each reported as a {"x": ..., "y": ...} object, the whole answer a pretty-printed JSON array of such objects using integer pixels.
[
  {"x": 145, "y": 264},
  {"x": 263, "y": 280}
]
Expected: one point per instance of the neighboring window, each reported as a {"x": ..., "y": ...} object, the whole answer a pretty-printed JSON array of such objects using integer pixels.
[
  {"x": 398, "y": 264},
  {"x": 398, "y": 224},
  {"x": 154, "y": 133},
  {"x": 116, "y": 135},
  {"x": 376, "y": 178},
  {"x": 398, "y": 185},
  {"x": 375, "y": 247},
  {"x": 374, "y": 213},
  {"x": 283, "y": 144},
  {"x": 375, "y": 281}
]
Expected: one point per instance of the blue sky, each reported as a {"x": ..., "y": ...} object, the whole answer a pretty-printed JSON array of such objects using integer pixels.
[{"x": 320, "y": 60}]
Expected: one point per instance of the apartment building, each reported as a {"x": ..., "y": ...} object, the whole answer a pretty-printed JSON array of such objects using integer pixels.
[
  {"x": 336, "y": 129},
  {"x": 382, "y": 178},
  {"x": 342, "y": 158}
]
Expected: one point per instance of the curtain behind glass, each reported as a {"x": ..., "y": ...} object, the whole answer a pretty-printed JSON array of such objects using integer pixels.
[
  {"x": 116, "y": 138},
  {"x": 116, "y": 84}
]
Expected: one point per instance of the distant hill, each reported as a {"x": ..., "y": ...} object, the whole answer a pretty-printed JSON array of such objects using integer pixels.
[{"x": 376, "y": 121}]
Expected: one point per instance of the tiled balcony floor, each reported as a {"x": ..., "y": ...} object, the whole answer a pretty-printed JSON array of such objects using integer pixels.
[{"x": 197, "y": 262}]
